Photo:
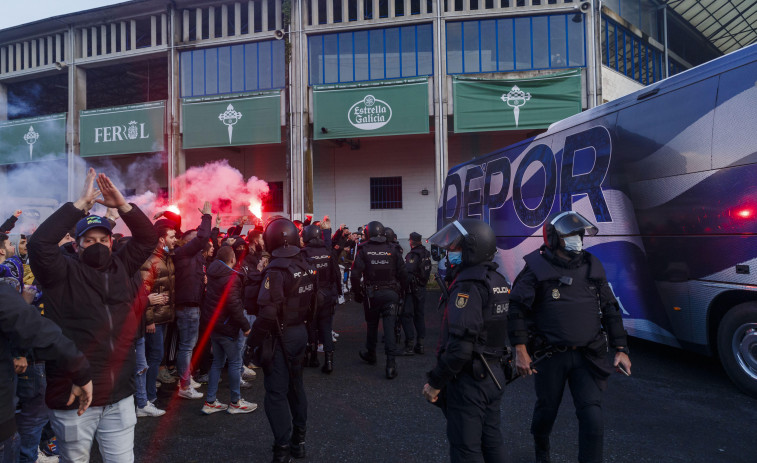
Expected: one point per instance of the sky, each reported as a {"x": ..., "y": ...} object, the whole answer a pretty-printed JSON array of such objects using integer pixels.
[{"x": 26, "y": 11}]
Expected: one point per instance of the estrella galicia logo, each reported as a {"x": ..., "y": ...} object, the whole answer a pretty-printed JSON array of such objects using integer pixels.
[{"x": 370, "y": 113}]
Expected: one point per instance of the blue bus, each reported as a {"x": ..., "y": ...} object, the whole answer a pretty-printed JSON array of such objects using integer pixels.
[{"x": 669, "y": 176}]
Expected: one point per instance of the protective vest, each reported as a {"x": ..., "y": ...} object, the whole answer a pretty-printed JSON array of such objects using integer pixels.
[
  {"x": 493, "y": 339},
  {"x": 380, "y": 264},
  {"x": 320, "y": 258},
  {"x": 299, "y": 290},
  {"x": 418, "y": 263},
  {"x": 567, "y": 306}
]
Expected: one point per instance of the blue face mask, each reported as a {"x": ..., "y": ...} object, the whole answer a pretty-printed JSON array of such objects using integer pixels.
[
  {"x": 573, "y": 244},
  {"x": 165, "y": 248},
  {"x": 455, "y": 258}
]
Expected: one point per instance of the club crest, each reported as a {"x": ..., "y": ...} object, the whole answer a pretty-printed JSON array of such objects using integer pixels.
[
  {"x": 555, "y": 294},
  {"x": 267, "y": 283},
  {"x": 461, "y": 301}
]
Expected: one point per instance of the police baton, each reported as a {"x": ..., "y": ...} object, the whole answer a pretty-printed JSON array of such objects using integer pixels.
[{"x": 536, "y": 361}]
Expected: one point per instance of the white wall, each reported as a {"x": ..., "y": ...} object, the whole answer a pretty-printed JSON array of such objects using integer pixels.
[
  {"x": 341, "y": 178},
  {"x": 616, "y": 85}
]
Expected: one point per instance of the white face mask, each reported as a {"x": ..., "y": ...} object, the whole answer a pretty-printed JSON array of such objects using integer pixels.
[{"x": 573, "y": 243}]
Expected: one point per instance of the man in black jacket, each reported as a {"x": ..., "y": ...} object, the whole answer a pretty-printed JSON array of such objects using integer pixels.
[
  {"x": 189, "y": 268},
  {"x": 224, "y": 309},
  {"x": 91, "y": 298},
  {"x": 22, "y": 325},
  {"x": 418, "y": 264}
]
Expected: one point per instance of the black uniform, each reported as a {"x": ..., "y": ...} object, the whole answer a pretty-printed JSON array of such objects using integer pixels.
[
  {"x": 571, "y": 310},
  {"x": 286, "y": 300},
  {"x": 474, "y": 331},
  {"x": 329, "y": 288},
  {"x": 384, "y": 278},
  {"x": 418, "y": 265}
]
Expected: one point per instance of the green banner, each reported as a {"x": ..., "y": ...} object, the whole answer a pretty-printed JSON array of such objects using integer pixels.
[
  {"x": 122, "y": 130},
  {"x": 244, "y": 120},
  {"x": 33, "y": 139},
  {"x": 511, "y": 104},
  {"x": 390, "y": 107}
]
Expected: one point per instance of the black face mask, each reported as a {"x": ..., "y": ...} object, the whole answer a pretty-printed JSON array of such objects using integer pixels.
[{"x": 96, "y": 255}]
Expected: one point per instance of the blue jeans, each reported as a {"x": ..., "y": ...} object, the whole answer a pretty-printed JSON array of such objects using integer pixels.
[
  {"x": 154, "y": 354},
  {"x": 140, "y": 374},
  {"x": 243, "y": 339},
  {"x": 188, "y": 321},
  {"x": 225, "y": 347},
  {"x": 112, "y": 425},
  {"x": 9, "y": 449},
  {"x": 33, "y": 414}
]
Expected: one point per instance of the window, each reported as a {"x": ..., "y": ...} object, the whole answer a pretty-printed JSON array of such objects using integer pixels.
[
  {"x": 274, "y": 200},
  {"x": 507, "y": 44},
  {"x": 386, "y": 192},
  {"x": 232, "y": 69},
  {"x": 376, "y": 54},
  {"x": 628, "y": 54}
]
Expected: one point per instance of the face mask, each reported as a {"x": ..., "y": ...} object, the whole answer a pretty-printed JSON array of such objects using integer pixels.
[
  {"x": 96, "y": 256},
  {"x": 455, "y": 258},
  {"x": 573, "y": 244},
  {"x": 165, "y": 248}
]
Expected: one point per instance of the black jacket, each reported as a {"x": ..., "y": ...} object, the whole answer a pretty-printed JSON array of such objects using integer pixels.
[
  {"x": 92, "y": 307},
  {"x": 189, "y": 267},
  {"x": 8, "y": 224},
  {"x": 21, "y": 324},
  {"x": 223, "y": 305}
]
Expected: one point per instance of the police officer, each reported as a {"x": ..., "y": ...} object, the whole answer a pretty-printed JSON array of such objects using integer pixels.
[
  {"x": 384, "y": 278},
  {"x": 329, "y": 288},
  {"x": 468, "y": 377},
  {"x": 418, "y": 265},
  {"x": 287, "y": 298},
  {"x": 563, "y": 296}
]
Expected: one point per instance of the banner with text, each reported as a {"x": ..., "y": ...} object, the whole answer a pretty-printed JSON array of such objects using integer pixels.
[
  {"x": 371, "y": 109},
  {"x": 33, "y": 139},
  {"x": 245, "y": 120},
  {"x": 510, "y": 104},
  {"x": 128, "y": 129}
]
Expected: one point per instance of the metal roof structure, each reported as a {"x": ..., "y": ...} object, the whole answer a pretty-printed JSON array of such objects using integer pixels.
[{"x": 727, "y": 24}]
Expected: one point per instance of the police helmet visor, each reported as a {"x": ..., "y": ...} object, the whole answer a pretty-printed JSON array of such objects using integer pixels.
[
  {"x": 449, "y": 237},
  {"x": 570, "y": 222}
]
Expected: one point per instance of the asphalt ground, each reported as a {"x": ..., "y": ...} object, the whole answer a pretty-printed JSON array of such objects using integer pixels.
[{"x": 676, "y": 407}]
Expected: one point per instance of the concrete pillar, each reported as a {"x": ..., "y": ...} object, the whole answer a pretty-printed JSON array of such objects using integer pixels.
[
  {"x": 176, "y": 157},
  {"x": 77, "y": 100},
  {"x": 3, "y": 102},
  {"x": 440, "y": 101}
]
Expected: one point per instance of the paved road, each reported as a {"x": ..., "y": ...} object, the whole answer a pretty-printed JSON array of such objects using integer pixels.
[{"x": 677, "y": 407}]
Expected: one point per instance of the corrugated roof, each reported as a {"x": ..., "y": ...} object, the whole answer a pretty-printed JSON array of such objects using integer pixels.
[{"x": 727, "y": 24}]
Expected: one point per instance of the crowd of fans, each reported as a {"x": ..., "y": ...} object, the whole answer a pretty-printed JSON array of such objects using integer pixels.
[{"x": 122, "y": 316}]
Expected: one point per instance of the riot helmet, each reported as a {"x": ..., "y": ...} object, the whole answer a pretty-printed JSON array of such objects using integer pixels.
[
  {"x": 475, "y": 238},
  {"x": 391, "y": 237},
  {"x": 375, "y": 232},
  {"x": 281, "y": 237},
  {"x": 564, "y": 224},
  {"x": 311, "y": 232}
]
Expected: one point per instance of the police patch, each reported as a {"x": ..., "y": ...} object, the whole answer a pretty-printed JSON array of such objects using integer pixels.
[
  {"x": 461, "y": 301},
  {"x": 555, "y": 294},
  {"x": 267, "y": 284}
]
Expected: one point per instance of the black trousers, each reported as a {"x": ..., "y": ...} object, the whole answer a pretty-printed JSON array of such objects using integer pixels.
[
  {"x": 574, "y": 368},
  {"x": 413, "y": 315},
  {"x": 320, "y": 330},
  {"x": 285, "y": 402},
  {"x": 382, "y": 306},
  {"x": 473, "y": 419}
]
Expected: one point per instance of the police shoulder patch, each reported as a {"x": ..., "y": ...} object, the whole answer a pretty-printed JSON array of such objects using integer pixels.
[
  {"x": 461, "y": 300},
  {"x": 555, "y": 293}
]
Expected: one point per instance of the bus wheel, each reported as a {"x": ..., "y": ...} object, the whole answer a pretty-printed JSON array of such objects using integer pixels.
[{"x": 737, "y": 346}]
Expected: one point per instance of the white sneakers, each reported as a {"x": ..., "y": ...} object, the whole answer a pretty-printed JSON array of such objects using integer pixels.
[
  {"x": 189, "y": 393},
  {"x": 242, "y": 406},
  {"x": 248, "y": 373},
  {"x": 210, "y": 408},
  {"x": 194, "y": 384},
  {"x": 151, "y": 410},
  {"x": 244, "y": 384}
]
